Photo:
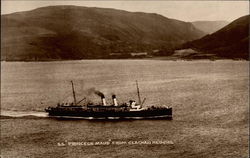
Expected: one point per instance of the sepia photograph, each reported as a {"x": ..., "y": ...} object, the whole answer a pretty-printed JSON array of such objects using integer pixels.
[{"x": 124, "y": 79}]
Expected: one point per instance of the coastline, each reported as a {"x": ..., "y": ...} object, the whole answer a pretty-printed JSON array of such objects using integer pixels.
[{"x": 166, "y": 58}]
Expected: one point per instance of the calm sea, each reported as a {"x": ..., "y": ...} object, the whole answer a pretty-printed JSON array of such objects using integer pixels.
[{"x": 209, "y": 100}]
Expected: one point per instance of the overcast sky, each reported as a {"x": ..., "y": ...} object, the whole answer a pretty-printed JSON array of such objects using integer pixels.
[{"x": 182, "y": 10}]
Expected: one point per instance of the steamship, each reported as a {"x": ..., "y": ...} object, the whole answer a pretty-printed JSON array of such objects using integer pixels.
[{"x": 130, "y": 110}]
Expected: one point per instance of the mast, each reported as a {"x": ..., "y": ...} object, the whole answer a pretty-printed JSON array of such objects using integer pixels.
[
  {"x": 73, "y": 92},
  {"x": 138, "y": 93}
]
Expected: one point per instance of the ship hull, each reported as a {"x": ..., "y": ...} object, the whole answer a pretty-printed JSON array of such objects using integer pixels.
[{"x": 145, "y": 114}]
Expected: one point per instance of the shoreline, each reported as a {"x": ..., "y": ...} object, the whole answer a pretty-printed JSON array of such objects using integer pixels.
[{"x": 154, "y": 58}]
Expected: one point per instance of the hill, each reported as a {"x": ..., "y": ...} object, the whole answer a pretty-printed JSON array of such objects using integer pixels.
[
  {"x": 209, "y": 26},
  {"x": 73, "y": 32},
  {"x": 232, "y": 41}
]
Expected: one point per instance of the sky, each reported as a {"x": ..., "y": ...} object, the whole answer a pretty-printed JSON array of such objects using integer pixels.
[{"x": 181, "y": 10}]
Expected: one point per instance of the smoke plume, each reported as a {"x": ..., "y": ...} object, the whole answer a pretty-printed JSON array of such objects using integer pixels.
[{"x": 94, "y": 91}]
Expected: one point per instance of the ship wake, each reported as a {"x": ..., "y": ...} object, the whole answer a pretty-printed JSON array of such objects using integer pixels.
[{"x": 23, "y": 114}]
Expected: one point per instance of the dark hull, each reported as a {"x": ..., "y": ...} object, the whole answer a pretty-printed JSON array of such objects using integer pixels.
[{"x": 145, "y": 114}]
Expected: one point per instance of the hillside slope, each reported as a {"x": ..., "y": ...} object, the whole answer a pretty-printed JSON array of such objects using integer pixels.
[
  {"x": 209, "y": 26},
  {"x": 72, "y": 32},
  {"x": 232, "y": 41}
]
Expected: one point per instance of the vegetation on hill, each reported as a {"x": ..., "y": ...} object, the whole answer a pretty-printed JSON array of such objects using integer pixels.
[
  {"x": 72, "y": 32},
  {"x": 232, "y": 41}
]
